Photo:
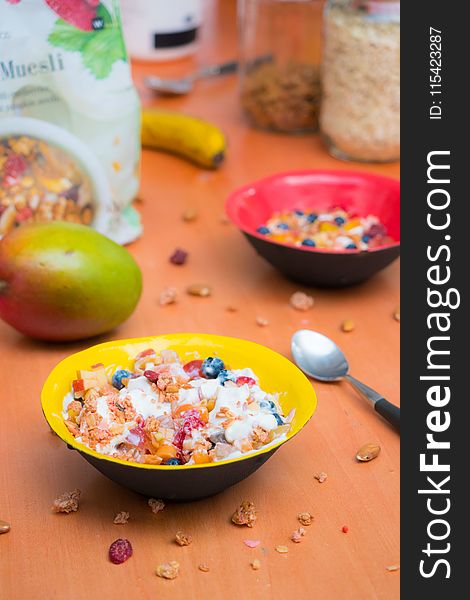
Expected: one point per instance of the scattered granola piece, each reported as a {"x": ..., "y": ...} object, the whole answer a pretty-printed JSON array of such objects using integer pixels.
[
  {"x": 396, "y": 314},
  {"x": 4, "y": 527},
  {"x": 301, "y": 301},
  {"x": 119, "y": 551},
  {"x": 182, "y": 539},
  {"x": 121, "y": 518},
  {"x": 252, "y": 543},
  {"x": 245, "y": 514},
  {"x": 345, "y": 529},
  {"x": 393, "y": 568},
  {"x": 282, "y": 549},
  {"x": 189, "y": 215},
  {"x": 168, "y": 295},
  {"x": 262, "y": 322},
  {"x": 204, "y": 568},
  {"x": 179, "y": 257},
  {"x": 199, "y": 289},
  {"x": 67, "y": 503},
  {"x": 348, "y": 326},
  {"x": 156, "y": 505},
  {"x": 297, "y": 535},
  {"x": 368, "y": 452},
  {"x": 305, "y": 518},
  {"x": 255, "y": 564},
  {"x": 321, "y": 477},
  {"x": 168, "y": 570}
]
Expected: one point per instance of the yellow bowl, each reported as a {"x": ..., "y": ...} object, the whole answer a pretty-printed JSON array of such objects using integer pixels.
[{"x": 276, "y": 374}]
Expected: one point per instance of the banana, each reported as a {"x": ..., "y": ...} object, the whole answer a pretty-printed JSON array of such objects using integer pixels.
[{"x": 192, "y": 138}]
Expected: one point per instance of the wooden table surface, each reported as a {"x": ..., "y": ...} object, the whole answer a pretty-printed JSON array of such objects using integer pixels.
[{"x": 65, "y": 556}]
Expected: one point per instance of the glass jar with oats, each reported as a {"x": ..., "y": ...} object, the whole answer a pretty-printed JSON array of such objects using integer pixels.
[
  {"x": 360, "y": 113},
  {"x": 280, "y": 43}
]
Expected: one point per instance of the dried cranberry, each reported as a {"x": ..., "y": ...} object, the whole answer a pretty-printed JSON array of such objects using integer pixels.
[
  {"x": 179, "y": 257},
  {"x": 119, "y": 551},
  {"x": 193, "y": 369},
  {"x": 15, "y": 165},
  {"x": 152, "y": 376},
  {"x": 243, "y": 379}
]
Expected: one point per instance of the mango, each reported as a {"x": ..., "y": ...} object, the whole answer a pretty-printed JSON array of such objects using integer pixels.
[{"x": 62, "y": 281}]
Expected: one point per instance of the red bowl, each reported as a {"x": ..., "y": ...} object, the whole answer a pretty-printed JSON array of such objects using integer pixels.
[{"x": 356, "y": 192}]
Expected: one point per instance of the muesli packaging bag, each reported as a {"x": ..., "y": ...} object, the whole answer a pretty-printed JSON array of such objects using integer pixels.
[{"x": 69, "y": 117}]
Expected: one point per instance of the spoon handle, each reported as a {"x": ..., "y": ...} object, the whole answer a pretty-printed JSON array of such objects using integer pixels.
[{"x": 386, "y": 409}]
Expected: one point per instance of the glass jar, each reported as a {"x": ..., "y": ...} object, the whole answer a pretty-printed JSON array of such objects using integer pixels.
[
  {"x": 280, "y": 43},
  {"x": 360, "y": 113}
]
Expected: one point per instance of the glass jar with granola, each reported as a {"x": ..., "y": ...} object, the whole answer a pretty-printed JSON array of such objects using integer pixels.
[
  {"x": 360, "y": 113},
  {"x": 279, "y": 63}
]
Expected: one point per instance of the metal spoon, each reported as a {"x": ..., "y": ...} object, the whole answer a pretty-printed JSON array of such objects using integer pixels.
[
  {"x": 320, "y": 357},
  {"x": 184, "y": 85}
]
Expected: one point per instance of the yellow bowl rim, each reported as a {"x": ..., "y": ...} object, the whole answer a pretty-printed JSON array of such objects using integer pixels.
[{"x": 304, "y": 387}]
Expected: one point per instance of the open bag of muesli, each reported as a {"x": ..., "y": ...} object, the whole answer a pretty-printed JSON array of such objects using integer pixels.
[{"x": 69, "y": 117}]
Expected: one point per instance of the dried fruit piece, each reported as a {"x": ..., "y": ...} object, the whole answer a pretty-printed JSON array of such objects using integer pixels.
[
  {"x": 179, "y": 257},
  {"x": 348, "y": 326},
  {"x": 182, "y": 539},
  {"x": 255, "y": 564},
  {"x": 245, "y": 514},
  {"x": 368, "y": 452},
  {"x": 119, "y": 551},
  {"x": 4, "y": 527},
  {"x": 67, "y": 502},
  {"x": 189, "y": 215},
  {"x": 262, "y": 322},
  {"x": 156, "y": 505},
  {"x": 396, "y": 314},
  {"x": 199, "y": 289},
  {"x": 203, "y": 567},
  {"x": 121, "y": 518},
  {"x": 393, "y": 568},
  {"x": 168, "y": 570},
  {"x": 298, "y": 534},
  {"x": 345, "y": 529},
  {"x": 321, "y": 477},
  {"x": 301, "y": 301},
  {"x": 305, "y": 518},
  {"x": 252, "y": 543},
  {"x": 282, "y": 549},
  {"x": 168, "y": 295}
]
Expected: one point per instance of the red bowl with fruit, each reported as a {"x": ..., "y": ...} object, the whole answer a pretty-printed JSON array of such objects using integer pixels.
[{"x": 358, "y": 193}]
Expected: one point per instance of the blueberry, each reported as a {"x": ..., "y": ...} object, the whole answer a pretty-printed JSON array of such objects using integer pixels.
[
  {"x": 118, "y": 376},
  {"x": 351, "y": 247},
  {"x": 284, "y": 226},
  {"x": 365, "y": 238},
  {"x": 312, "y": 217},
  {"x": 211, "y": 367},
  {"x": 264, "y": 230},
  {"x": 172, "y": 461},
  {"x": 278, "y": 418},
  {"x": 340, "y": 221},
  {"x": 265, "y": 404},
  {"x": 224, "y": 376},
  {"x": 308, "y": 242},
  {"x": 299, "y": 213}
]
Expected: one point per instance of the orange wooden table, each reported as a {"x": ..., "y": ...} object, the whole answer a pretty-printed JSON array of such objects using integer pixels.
[{"x": 65, "y": 556}]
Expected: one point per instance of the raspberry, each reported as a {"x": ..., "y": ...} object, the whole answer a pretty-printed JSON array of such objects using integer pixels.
[
  {"x": 243, "y": 379},
  {"x": 78, "y": 13},
  {"x": 119, "y": 551}
]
